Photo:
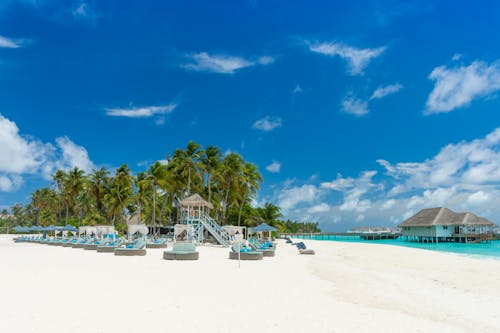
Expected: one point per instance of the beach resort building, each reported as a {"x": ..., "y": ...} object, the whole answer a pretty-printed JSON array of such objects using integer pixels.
[{"x": 444, "y": 225}]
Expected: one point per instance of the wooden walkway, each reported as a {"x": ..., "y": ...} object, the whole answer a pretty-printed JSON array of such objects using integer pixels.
[{"x": 345, "y": 235}]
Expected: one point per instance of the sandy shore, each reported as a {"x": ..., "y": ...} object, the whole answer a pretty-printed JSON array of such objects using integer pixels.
[{"x": 346, "y": 287}]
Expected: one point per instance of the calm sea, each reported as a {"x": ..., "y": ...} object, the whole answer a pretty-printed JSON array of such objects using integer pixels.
[{"x": 487, "y": 250}]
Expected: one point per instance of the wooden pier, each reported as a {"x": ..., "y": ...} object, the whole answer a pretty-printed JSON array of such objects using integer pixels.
[{"x": 345, "y": 235}]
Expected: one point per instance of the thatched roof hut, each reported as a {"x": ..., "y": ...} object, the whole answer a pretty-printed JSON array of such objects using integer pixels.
[
  {"x": 441, "y": 216},
  {"x": 196, "y": 201}
]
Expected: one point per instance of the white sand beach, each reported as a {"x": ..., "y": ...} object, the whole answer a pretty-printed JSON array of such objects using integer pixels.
[{"x": 345, "y": 287}]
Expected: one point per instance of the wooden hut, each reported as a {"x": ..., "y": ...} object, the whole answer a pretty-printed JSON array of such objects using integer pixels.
[{"x": 444, "y": 225}]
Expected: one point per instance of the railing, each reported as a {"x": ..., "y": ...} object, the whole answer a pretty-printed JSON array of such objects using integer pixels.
[{"x": 220, "y": 234}]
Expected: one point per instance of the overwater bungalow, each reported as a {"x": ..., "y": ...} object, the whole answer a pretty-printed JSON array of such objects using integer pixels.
[{"x": 444, "y": 225}]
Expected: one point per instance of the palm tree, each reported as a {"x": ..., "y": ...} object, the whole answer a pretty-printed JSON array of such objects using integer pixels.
[
  {"x": 249, "y": 180},
  {"x": 120, "y": 192},
  {"x": 59, "y": 179},
  {"x": 73, "y": 186},
  {"x": 211, "y": 160},
  {"x": 188, "y": 163},
  {"x": 98, "y": 184},
  {"x": 269, "y": 213},
  {"x": 229, "y": 174}
]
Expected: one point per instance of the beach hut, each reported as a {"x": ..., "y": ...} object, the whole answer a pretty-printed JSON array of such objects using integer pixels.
[
  {"x": 444, "y": 225},
  {"x": 264, "y": 230}
]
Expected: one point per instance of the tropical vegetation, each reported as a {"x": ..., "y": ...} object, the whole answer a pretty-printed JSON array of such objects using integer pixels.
[{"x": 228, "y": 181}]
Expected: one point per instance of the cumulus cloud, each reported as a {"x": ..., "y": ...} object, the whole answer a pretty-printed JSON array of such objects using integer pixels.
[
  {"x": 320, "y": 208},
  {"x": 464, "y": 176},
  {"x": 289, "y": 198},
  {"x": 457, "y": 87},
  {"x": 354, "y": 106},
  {"x": 222, "y": 63},
  {"x": 274, "y": 167},
  {"x": 21, "y": 155},
  {"x": 10, "y": 43},
  {"x": 73, "y": 155},
  {"x": 383, "y": 91},
  {"x": 267, "y": 123},
  {"x": 141, "y": 112},
  {"x": 357, "y": 59}
]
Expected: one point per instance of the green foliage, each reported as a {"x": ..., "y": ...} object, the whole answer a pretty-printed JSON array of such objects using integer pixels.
[{"x": 229, "y": 182}]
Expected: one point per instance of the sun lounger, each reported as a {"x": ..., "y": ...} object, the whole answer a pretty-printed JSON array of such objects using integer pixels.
[
  {"x": 136, "y": 249},
  {"x": 71, "y": 242},
  {"x": 95, "y": 244},
  {"x": 81, "y": 243},
  {"x": 245, "y": 253},
  {"x": 159, "y": 243},
  {"x": 182, "y": 251},
  {"x": 303, "y": 249},
  {"x": 266, "y": 251},
  {"x": 110, "y": 247}
]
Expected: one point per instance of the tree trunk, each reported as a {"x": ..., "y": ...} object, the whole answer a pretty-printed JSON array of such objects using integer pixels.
[
  {"x": 225, "y": 204},
  {"x": 241, "y": 208},
  {"x": 154, "y": 209}
]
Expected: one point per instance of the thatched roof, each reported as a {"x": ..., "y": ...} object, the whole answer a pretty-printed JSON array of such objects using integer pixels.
[
  {"x": 196, "y": 201},
  {"x": 444, "y": 216},
  {"x": 134, "y": 219}
]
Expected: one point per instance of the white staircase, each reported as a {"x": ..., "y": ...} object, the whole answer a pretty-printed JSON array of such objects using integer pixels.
[{"x": 219, "y": 233}]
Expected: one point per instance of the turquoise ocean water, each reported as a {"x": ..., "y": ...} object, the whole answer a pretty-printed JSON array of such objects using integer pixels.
[{"x": 485, "y": 251}]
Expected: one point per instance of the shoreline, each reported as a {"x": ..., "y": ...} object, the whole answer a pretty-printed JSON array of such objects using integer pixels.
[
  {"x": 419, "y": 246},
  {"x": 345, "y": 287}
]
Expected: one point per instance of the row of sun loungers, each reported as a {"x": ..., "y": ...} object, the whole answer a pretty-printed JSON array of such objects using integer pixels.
[
  {"x": 116, "y": 246},
  {"x": 300, "y": 246},
  {"x": 254, "y": 250}
]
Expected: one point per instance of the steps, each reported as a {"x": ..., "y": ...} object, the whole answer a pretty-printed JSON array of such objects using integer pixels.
[{"x": 219, "y": 233}]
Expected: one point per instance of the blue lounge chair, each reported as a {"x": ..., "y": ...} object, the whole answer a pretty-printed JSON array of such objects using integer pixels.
[
  {"x": 110, "y": 246},
  {"x": 239, "y": 250},
  {"x": 136, "y": 249},
  {"x": 182, "y": 251}
]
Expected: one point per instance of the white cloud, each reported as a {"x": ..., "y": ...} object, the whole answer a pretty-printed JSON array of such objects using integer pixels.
[
  {"x": 297, "y": 89},
  {"x": 274, "y": 167},
  {"x": 478, "y": 198},
  {"x": 388, "y": 204},
  {"x": 458, "y": 86},
  {"x": 265, "y": 60},
  {"x": 320, "y": 208},
  {"x": 10, "y": 43},
  {"x": 141, "y": 112},
  {"x": 222, "y": 63},
  {"x": 357, "y": 59},
  {"x": 290, "y": 197},
  {"x": 355, "y": 106},
  {"x": 10, "y": 183},
  {"x": 22, "y": 155},
  {"x": 84, "y": 11},
  {"x": 353, "y": 190},
  {"x": 456, "y": 57},
  {"x": 267, "y": 123},
  {"x": 17, "y": 153},
  {"x": 463, "y": 176},
  {"x": 73, "y": 155},
  {"x": 383, "y": 91}
]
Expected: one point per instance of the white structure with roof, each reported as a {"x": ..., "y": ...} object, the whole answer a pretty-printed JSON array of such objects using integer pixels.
[
  {"x": 194, "y": 211},
  {"x": 444, "y": 225}
]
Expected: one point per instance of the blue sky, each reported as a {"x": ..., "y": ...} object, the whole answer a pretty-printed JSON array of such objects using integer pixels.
[{"x": 357, "y": 114}]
